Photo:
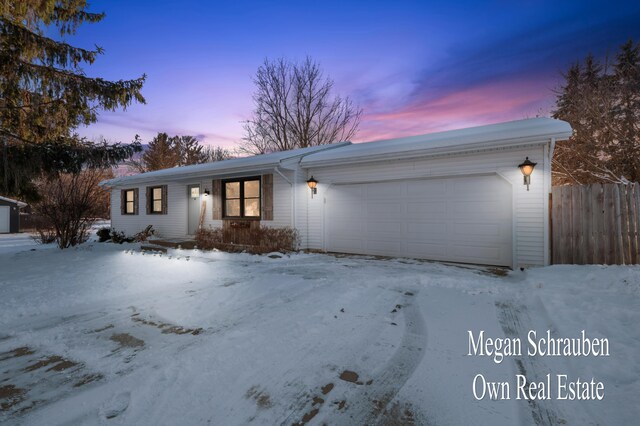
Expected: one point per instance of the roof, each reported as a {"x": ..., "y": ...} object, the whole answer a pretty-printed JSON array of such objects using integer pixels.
[
  {"x": 511, "y": 133},
  {"x": 19, "y": 203},
  {"x": 225, "y": 167}
]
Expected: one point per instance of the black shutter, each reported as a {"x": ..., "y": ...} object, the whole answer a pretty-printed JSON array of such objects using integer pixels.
[
  {"x": 123, "y": 202},
  {"x": 149, "y": 199},
  {"x": 267, "y": 197},
  {"x": 164, "y": 199},
  {"x": 136, "y": 201},
  {"x": 216, "y": 199}
]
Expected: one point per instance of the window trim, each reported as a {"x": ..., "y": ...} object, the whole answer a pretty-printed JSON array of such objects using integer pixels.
[
  {"x": 242, "y": 197},
  {"x": 133, "y": 202},
  {"x": 152, "y": 200}
]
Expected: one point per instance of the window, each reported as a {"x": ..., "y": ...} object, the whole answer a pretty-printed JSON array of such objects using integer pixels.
[
  {"x": 157, "y": 199},
  {"x": 242, "y": 198},
  {"x": 129, "y": 201}
]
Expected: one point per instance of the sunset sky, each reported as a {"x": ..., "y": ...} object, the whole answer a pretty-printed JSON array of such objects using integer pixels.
[{"x": 413, "y": 66}]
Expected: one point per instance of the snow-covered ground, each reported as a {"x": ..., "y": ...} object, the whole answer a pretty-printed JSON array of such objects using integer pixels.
[{"x": 104, "y": 334}]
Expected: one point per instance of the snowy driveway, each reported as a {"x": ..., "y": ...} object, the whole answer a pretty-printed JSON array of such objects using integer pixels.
[{"x": 104, "y": 334}]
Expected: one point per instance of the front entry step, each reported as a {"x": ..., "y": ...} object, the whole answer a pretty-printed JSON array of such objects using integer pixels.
[
  {"x": 153, "y": 247},
  {"x": 178, "y": 243}
]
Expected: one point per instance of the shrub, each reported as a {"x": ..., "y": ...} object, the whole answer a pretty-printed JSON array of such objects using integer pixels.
[
  {"x": 210, "y": 238},
  {"x": 119, "y": 237},
  {"x": 260, "y": 240},
  {"x": 104, "y": 234},
  {"x": 144, "y": 234},
  {"x": 69, "y": 203},
  {"x": 45, "y": 236},
  {"x": 278, "y": 239}
]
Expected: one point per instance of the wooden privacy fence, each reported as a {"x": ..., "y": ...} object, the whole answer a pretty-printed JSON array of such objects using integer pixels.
[{"x": 595, "y": 224}]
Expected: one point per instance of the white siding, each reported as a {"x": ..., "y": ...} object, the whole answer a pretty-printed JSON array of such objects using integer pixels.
[
  {"x": 528, "y": 207},
  {"x": 174, "y": 223},
  {"x": 282, "y": 201}
]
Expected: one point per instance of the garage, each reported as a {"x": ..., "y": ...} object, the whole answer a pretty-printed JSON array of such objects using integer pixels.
[
  {"x": 456, "y": 219},
  {"x": 10, "y": 215}
]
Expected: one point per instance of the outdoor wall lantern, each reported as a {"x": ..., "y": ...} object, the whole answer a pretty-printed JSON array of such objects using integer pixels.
[
  {"x": 206, "y": 192},
  {"x": 527, "y": 168},
  {"x": 312, "y": 185}
]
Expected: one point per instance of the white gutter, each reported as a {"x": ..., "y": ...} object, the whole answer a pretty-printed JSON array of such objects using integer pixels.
[{"x": 277, "y": 170}]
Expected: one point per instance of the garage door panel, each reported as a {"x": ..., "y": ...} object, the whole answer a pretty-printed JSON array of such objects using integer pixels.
[
  {"x": 385, "y": 191},
  {"x": 419, "y": 209},
  {"x": 476, "y": 230},
  {"x": 383, "y": 247},
  {"x": 426, "y": 251},
  {"x": 5, "y": 219},
  {"x": 375, "y": 209},
  {"x": 387, "y": 227},
  {"x": 435, "y": 230},
  {"x": 485, "y": 254},
  {"x": 462, "y": 219},
  {"x": 436, "y": 188},
  {"x": 347, "y": 245}
]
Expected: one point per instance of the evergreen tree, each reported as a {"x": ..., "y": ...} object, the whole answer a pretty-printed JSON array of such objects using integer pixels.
[
  {"x": 602, "y": 104},
  {"x": 165, "y": 152},
  {"x": 45, "y": 95},
  {"x": 161, "y": 154},
  {"x": 189, "y": 151}
]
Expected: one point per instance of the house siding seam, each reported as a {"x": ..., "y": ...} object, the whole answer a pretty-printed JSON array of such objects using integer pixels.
[{"x": 528, "y": 211}]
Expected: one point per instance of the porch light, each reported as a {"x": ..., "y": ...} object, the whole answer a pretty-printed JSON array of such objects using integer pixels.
[
  {"x": 527, "y": 168},
  {"x": 206, "y": 192},
  {"x": 312, "y": 185}
]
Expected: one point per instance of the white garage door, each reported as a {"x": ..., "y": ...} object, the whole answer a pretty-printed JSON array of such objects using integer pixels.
[
  {"x": 4, "y": 219},
  {"x": 464, "y": 219}
]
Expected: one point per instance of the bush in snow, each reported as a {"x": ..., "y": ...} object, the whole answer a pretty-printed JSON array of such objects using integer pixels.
[
  {"x": 104, "y": 234},
  {"x": 258, "y": 240},
  {"x": 119, "y": 237},
  {"x": 208, "y": 239},
  {"x": 70, "y": 202},
  {"x": 144, "y": 234},
  {"x": 45, "y": 236}
]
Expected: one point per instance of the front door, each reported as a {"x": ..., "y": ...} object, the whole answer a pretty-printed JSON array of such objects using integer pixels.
[{"x": 193, "y": 192}]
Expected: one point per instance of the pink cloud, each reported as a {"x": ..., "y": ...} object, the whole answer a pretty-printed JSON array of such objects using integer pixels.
[{"x": 489, "y": 103}]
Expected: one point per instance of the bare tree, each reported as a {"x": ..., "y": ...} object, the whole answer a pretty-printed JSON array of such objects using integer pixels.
[
  {"x": 294, "y": 108},
  {"x": 71, "y": 202},
  {"x": 216, "y": 153}
]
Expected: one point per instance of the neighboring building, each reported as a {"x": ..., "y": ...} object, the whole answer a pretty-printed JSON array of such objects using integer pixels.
[
  {"x": 451, "y": 196},
  {"x": 10, "y": 215}
]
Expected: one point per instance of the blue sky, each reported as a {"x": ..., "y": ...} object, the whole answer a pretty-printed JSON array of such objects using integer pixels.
[{"x": 413, "y": 66}]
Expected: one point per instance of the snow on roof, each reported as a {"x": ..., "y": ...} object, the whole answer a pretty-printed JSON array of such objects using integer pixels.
[
  {"x": 234, "y": 165},
  {"x": 19, "y": 203},
  {"x": 511, "y": 133},
  {"x": 494, "y": 135}
]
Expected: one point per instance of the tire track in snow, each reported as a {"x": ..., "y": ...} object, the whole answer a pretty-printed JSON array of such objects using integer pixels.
[
  {"x": 515, "y": 321},
  {"x": 366, "y": 404}
]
